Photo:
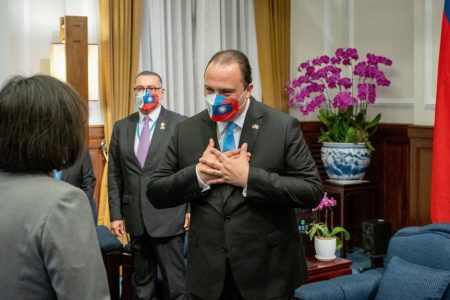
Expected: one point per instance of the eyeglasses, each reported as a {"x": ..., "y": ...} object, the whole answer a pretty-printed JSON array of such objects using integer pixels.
[{"x": 141, "y": 89}]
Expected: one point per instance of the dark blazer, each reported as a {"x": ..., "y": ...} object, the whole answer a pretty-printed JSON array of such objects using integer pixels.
[
  {"x": 127, "y": 181},
  {"x": 81, "y": 174},
  {"x": 258, "y": 233}
]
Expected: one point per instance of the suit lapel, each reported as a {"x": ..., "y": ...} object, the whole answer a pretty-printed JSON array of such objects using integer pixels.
[
  {"x": 252, "y": 125},
  {"x": 209, "y": 130},
  {"x": 132, "y": 137},
  {"x": 250, "y": 132}
]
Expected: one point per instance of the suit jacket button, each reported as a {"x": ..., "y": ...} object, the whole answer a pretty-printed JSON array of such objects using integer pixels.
[
  {"x": 227, "y": 218},
  {"x": 224, "y": 249}
]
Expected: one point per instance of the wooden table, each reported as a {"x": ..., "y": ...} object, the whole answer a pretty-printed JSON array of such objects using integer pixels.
[
  {"x": 348, "y": 192},
  {"x": 318, "y": 270}
]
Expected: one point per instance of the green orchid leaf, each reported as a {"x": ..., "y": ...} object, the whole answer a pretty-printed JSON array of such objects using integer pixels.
[
  {"x": 338, "y": 229},
  {"x": 321, "y": 230},
  {"x": 369, "y": 146},
  {"x": 361, "y": 117},
  {"x": 350, "y": 135},
  {"x": 373, "y": 123}
]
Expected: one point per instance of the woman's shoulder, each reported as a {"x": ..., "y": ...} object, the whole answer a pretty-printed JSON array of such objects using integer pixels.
[{"x": 37, "y": 187}]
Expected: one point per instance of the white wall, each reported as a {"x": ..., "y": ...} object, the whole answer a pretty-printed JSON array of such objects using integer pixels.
[
  {"x": 29, "y": 27},
  {"x": 406, "y": 31},
  {"x": 4, "y": 43}
]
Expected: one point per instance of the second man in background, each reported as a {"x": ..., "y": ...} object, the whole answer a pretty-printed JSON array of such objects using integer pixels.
[{"x": 157, "y": 236}]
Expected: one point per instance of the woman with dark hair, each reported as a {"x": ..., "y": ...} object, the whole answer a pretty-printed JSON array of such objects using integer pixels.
[{"x": 49, "y": 245}]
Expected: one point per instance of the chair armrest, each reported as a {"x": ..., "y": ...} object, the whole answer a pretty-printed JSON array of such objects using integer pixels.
[
  {"x": 107, "y": 240},
  {"x": 376, "y": 271},
  {"x": 348, "y": 287}
]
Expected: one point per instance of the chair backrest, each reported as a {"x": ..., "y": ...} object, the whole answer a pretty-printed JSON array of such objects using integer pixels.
[{"x": 425, "y": 245}]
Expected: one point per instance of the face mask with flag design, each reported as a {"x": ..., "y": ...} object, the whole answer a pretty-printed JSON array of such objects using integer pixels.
[
  {"x": 221, "y": 108},
  {"x": 145, "y": 101}
]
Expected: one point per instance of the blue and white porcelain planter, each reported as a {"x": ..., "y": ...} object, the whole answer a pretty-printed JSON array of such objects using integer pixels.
[{"x": 345, "y": 161}]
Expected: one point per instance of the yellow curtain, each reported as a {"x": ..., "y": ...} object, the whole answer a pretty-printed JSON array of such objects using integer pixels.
[
  {"x": 120, "y": 35},
  {"x": 273, "y": 23}
]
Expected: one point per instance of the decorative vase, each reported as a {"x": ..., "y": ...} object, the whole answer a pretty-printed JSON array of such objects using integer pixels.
[
  {"x": 345, "y": 161},
  {"x": 325, "y": 248}
]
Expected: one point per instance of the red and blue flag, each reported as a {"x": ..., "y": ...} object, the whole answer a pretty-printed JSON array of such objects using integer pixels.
[
  {"x": 149, "y": 101},
  {"x": 440, "y": 177}
]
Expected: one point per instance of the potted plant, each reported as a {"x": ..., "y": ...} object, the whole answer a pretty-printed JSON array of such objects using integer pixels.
[
  {"x": 326, "y": 239},
  {"x": 341, "y": 87}
]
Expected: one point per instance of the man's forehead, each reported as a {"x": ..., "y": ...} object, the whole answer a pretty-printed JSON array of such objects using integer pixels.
[
  {"x": 223, "y": 75},
  {"x": 225, "y": 66},
  {"x": 147, "y": 79}
]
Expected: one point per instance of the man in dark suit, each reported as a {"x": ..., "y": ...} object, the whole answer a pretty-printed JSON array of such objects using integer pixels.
[
  {"x": 81, "y": 175},
  {"x": 243, "y": 237},
  {"x": 157, "y": 236}
]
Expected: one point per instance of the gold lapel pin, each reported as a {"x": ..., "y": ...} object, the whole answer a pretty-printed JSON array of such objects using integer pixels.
[
  {"x": 162, "y": 126},
  {"x": 255, "y": 126}
]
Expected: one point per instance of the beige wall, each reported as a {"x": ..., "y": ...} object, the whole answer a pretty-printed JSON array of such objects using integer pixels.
[{"x": 406, "y": 31}]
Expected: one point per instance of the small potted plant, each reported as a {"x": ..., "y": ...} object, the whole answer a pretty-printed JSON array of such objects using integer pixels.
[{"x": 326, "y": 240}]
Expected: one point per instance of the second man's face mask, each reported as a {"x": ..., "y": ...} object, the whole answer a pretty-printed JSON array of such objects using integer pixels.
[{"x": 146, "y": 101}]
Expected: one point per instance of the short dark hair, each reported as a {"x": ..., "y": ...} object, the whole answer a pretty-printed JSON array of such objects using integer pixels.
[
  {"x": 42, "y": 124},
  {"x": 229, "y": 56},
  {"x": 149, "y": 73}
]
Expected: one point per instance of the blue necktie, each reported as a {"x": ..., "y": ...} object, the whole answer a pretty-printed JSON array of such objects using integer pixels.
[{"x": 228, "y": 138}]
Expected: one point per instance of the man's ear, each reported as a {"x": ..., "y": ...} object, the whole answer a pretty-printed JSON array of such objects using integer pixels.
[{"x": 249, "y": 89}]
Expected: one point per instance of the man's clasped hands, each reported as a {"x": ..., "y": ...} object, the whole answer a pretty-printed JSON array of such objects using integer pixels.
[{"x": 229, "y": 167}]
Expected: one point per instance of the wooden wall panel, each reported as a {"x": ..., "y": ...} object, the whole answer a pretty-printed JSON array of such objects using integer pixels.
[
  {"x": 389, "y": 167},
  {"x": 96, "y": 135},
  {"x": 420, "y": 182}
]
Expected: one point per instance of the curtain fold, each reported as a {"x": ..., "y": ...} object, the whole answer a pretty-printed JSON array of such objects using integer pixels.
[
  {"x": 179, "y": 38},
  {"x": 120, "y": 33},
  {"x": 273, "y": 21}
]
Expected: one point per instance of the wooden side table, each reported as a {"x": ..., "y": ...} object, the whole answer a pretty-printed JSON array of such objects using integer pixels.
[
  {"x": 348, "y": 191},
  {"x": 318, "y": 270}
]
